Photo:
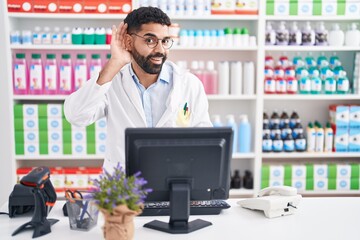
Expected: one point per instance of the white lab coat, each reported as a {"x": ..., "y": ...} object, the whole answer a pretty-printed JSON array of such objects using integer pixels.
[{"x": 119, "y": 101}]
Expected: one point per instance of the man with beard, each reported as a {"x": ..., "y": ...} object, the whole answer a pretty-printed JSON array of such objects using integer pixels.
[{"x": 138, "y": 87}]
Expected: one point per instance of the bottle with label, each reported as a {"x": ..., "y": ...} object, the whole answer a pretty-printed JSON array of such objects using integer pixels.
[
  {"x": 51, "y": 75},
  {"x": 285, "y": 130},
  {"x": 280, "y": 85},
  {"x": 65, "y": 75},
  {"x": 275, "y": 130},
  {"x": 231, "y": 123},
  {"x": 305, "y": 85},
  {"x": 291, "y": 85},
  {"x": 343, "y": 83},
  {"x": 224, "y": 78},
  {"x": 108, "y": 35},
  {"x": 329, "y": 138},
  {"x": 37, "y": 35},
  {"x": 308, "y": 35},
  {"x": 294, "y": 119},
  {"x": 330, "y": 84},
  {"x": 319, "y": 140},
  {"x": 297, "y": 130},
  {"x": 274, "y": 119},
  {"x": 311, "y": 137},
  {"x": 321, "y": 35},
  {"x": 249, "y": 78},
  {"x": 216, "y": 121},
  {"x": 236, "y": 78},
  {"x": 265, "y": 118},
  {"x": 316, "y": 83},
  {"x": 236, "y": 180},
  {"x": 46, "y": 36},
  {"x": 244, "y": 134},
  {"x": 282, "y": 35},
  {"x": 266, "y": 129},
  {"x": 244, "y": 37},
  {"x": 95, "y": 65},
  {"x": 36, "y": 75},
  {"x": 88, "y": 36},
  {"x": 267, "y": 143},
  {"x": 352, "y": 36},
  {"x": 228, "y": 37},
  {"x": 278, "y": 144},
  {"x": 295, "y": 35},
  {"x": 300, "y": 143},
  {"x": 210, "y": 79},
  {"x": 56, "y": 37},
  {"x": 77, "y": 36},
  {"x": 284, "y": 118},
  {"x": 336, "y": 36},
  {"x": 20, "y": 75},
  {"x": 289, "y": 144},
  {"x": 100, "y": 35},
  {"x": 269, "y": 85},
  {"x": 66, "y": 36},
  {"x": 270, "y": 35},
  {"x": 80, "y": 71}
]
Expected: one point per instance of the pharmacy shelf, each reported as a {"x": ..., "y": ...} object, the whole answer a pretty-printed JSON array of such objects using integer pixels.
[
  {"x": 231, "y": 97},
  {"x": 231, "y": 17},
  {"x": 312, "y": 18},
  {"x": 330, "y": 193},
  {"x": 242, "y": 192},
  {"x": 307, "y": 155},
  {"x": 311, "y": 97},
  {"x": 39, "y": 97},
  {"x": 59, "y": 157},
  {"x": 198, "y": 48},
  {"x": 279, "y": 48},
  {"x": 243, "y": 155}
]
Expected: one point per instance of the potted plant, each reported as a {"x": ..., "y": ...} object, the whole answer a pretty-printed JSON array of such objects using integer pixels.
[{"x": 120, "y": 199}]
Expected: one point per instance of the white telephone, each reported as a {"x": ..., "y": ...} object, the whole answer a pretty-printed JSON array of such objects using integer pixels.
[{"x": 274, "y": 201}]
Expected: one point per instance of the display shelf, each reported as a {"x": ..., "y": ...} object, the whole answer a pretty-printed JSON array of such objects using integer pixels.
[
  {"x": 39, "y": 97},
  {"x": 58, "y": 157},
  {"x": 312, "y": 18},
  {"x": 283, "y": 155},
  {"x": 311, "y": 97},
  {"x": 231, "y": 97},
  {"x": 243, "y": 155},
  {"x": 277, "y": 48},
  {"x": 242, "y": 192},
  {"x": 330, "y": 193}
]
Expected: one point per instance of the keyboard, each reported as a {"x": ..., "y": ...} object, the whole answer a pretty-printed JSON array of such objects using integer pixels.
[{"x": 208, "y": 207}]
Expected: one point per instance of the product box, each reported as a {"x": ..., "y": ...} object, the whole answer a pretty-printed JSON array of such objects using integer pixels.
[
  {"x": 354, "y": 140},
  {"x": 70, "y": 6},
  {"x": 298, "y": 172},
  {"x": 93, "y": 173},
  {"x": 329, "y": 8},
  {"x": 54, "y": 110},
  {"x": 57, "y": 177},
  {"x": 352, "y": 8},
  {"x": 320, "y": 184},
  {"x": 249, "y": 7},
  {"x": 45, "y": 6},
  {"x": 276, "y": 182},
  {"x": 341, "y": 140},
  {"x": 100, "y": 137},
  {"x": 222, "y": 7},
  {"x": 79, "y": 148},
  {"x": 340, "y": 116},
  {"x": 76, "y": 178},
  {"x": 100, "y": 148},
  {"x": 31, "y": 149},
  {"x": 305, "y": 8},
  {"x": 343, "y": 171},
  {"x": 78, "y": 135},
  {"x": 55, "y": 136},
  {"x": 30, "y": 124},
  {"x": 31, "y": 136},
  {"x": 95, "y": 6},
  {"x": 100, "y": 125},
  {"x": 54, "y": 124},
  {"x": 354, "y": 117},
  {"x": 276, "y": 172},
  {"x": 342, "y": 184},
  {"x": 19, "y": 6},
  {"x": 299, "y": 184},
  {"x": 55, "y": 148},
  {"x": 30, "y": 111},
  {"x": 320, "y": 171},
  {"x": 119, "y": 6}
]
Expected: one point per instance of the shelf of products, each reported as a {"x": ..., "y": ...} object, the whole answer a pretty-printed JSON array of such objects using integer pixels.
[{"x": 225, "y": 101}]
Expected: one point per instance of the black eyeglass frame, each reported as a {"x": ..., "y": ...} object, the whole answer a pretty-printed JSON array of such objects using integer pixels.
[{"x": 157, "y": 42}]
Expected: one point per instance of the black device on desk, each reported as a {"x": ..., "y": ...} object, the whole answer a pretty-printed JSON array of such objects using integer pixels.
[{"x": 181, "y": 165}]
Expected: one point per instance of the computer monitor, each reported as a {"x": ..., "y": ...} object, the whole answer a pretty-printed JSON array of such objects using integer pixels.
[{"x": 180, "y": 164}]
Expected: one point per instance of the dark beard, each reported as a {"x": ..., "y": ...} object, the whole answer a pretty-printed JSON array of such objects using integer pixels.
[{"x": 146, "y": 64}]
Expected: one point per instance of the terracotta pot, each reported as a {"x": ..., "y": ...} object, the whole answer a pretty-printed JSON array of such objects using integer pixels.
[{"x": 120, "y": 224}]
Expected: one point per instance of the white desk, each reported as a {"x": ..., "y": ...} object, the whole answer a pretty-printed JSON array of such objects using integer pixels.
[{"x": 316, "y": 218}]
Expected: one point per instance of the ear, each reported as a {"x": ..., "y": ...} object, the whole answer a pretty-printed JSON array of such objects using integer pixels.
[{"x": 128, "y": 41}]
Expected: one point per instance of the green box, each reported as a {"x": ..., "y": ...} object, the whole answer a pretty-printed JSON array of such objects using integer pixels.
[
  {"x": 355, "y": 170},
  {"x": 354, "y": 183},
  {"x": 309, "y": 184},
  {"x": 42, "y": 110},
  {"x": 265, "y": 173},
  {"x": 310, "y": 171},
  {"x": 19, "y": 148},
  {"x": 332, "y": 168},
  {"x": 18, "y": 111},
  {"x": 19, "y": 124}
]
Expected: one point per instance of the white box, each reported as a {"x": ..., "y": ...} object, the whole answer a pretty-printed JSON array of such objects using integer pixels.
[
  {"x": 343, "y": 184},
  {"x": 329, "y": 8},
  {"x": 299, "y": 184},
  {"x": 321, "y": 184},
  {"x": 298, "y": 172},
  {"x": 352, "y": 8},
  {"x": 55, "y": 136},
  {"x": 341, "y": 141},
  {"x": 54, "y": 110},
  {"x": 54, "y": 124},
  {"x": 276, "y": 182},
  {"x": 100, "y": 137},
  {"x": 31, "y": 149},
  {"x": 78, "y": 136},
  {"x": 276, "y": 172},
  {"x": 305, "y": 8},
  {"x": 78, "y": 148},
  {"x": 281, "y": 7},
  {"x": 55, "y": 148},
  {"x": 31, "y": 136},
  {"x": 354, "y": 140},
  {"x": 343, "y": 171},
  {"x": 320, "y": 171},
  {"x": 30, "y": 111},
  {"x": 100, "y": 125},
  {"x": 100, "y": 148},
  {"x": 31, "y": 124}
]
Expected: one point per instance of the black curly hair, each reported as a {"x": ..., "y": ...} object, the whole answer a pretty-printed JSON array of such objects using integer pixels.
[{"x": 144, "y": 15}]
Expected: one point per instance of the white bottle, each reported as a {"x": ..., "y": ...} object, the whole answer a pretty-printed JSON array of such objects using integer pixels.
[
  {"x": 224, "y": 78},
  {"x": 56, "y": 36},
  {"x": 37, "y": 35},
  {"x": 352, "y": 36},
  {"x": 319, "y": 140},
  {"x": 336, "y": 36},
  {"x": 249, "y": 78},
  {"x": 270, "y": 35},
  {"x": 66, "y": 36},
  {"x": 231, "y": 123},
  {"x": 294, "y": 35},
  {"x": 216, "y": 121},
  {"x": 329, "y": 138},
  {"x": 46, "y": 36},
  {"x": 282, "y": 35},
  {"x": 236, "y": 78},
  {"x": 308, "y": 35},
  {"x": 311, "y": 137}
]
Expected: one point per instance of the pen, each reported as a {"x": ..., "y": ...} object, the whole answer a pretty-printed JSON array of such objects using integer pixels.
[{"x": 185, "y": 108}]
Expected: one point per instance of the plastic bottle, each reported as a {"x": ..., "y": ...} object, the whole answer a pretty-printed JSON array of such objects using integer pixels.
[
  {"x": 280, "y": 85},
  {"x": 46, "y": 36},
  {"x": 295, "y": 35},
  {"x": 65, "y": 75},
  {"x": 300, "y": 143},
  {"x": 294, "y": 119},
  {"x": 236, "y": 75},
  {"x": 289, "y": 144},
  {"x": 284, "y": 118},
  {"x": 207, "y": 38},
  {"x": 50, "y": 75},
  {"x": 244, "y": 37},
  {"x": 297, "y": 130},
  {"x": 77, "y": 36},
  {"x": 36, "y": 75},
  {"x": 311, "y": 137},
  {"x": 66, "y": 36},
  {"x": 210, "y": 78},
  {"x": 199, "y": 38},
  {"x": 26, "y": 37},
  {"x": 80, "y": 71},
  {"x": 228, "y": 37},
  {"x": 88, "y": 36},
  {"x": 352, "y": 36},
  {"x": 236, "y": 180},
  {"x": 330, "y": 84},
  {"x": 282, "y": 35},
  {"x": 308, "y": 35},
  {"x": 108, "y": 35},
  {"x": 266, "y": 129},
  {"x": 269, "y": 71},
  {"x": 15, "y": 38},
  {"x": 319, "y": 141},
  {"x": 37, "y": 35},
  {"x": 269, "y": 85},
  {"x": 316, "y": 84},
  {"x": 275, "y": 129},
  {"x": 269, "y": 61},
  {"x": 224, "y": 78},
  {"x": 278, "y": 144},
  {"x": 270, "y": 35},
  {"x": 329, "y": 138},
  {"x": 274, "y": 119},
  {"x": 244, "y": 134},
  {"x": 266, "y": 118},
  {"x": 248, "y": 180},
  {"x": 291, "y": 85},
  {"x": 267, "y": 143},
  {"x": 249, "y": 78},
  {"x": 221, "y": 41},
  {"x": 195, "y": 69},
  {"x": 216, "y": 121},
  {"x": 336, "y": 36},
  {"x": 100, "y": 35},
  {"x": 237, "y": 40},
  {"x": 321, "y": 35},
  {"x": 20, "y": 77},
  {"x": 231, "y": 123},
  {"x": 95, "y": 65},
  {"x": 343, "y": 83},
  {"x": 285, "y": 130}
]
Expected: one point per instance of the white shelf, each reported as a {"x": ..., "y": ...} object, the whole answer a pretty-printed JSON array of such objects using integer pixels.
[
  {"x": 284, "y": 155},
  {"x": 242, "y": 192},
  {"x": 313, "y": 18},
  {"x": 330, "y": 193},
  {"x": 39, "y": 97},
  {"x": 311, "y": 97},
  {"x": 243, "y": 155},
  {"x": 197, "y": 48},
  {"x": 58, "y": 157},
  {"x": 232, "y": 17},
  {"x": 231, "y": 97},
  {"x": 279, "y": 48}
]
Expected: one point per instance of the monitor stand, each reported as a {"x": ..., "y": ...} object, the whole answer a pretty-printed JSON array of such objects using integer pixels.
[{"x": 179, "y": 212}]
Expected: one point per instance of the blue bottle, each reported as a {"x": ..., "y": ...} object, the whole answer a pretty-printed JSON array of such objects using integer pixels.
[
  {"x": 231, "y": 123},
  {"x": 216, "y": 121},
  {"x": 244, "y": 134}
]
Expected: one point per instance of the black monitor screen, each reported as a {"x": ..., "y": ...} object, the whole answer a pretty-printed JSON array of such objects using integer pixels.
[{"x": 196, "y": 158}]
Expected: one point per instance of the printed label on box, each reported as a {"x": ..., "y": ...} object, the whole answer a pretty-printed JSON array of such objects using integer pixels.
[
  {"x": 298, "y": 171},
  {"x": 31, "y": 136},
  {"x": 100, "y": 148},
  {"x": 54, "y": 124},
  {"x": 343, "y": 171},
  {"x": 299, "y": 184},
  {"x": 354, "y": 140},
  {"x": 55, "y": 149},
  {"x": 78, "y": 148},
  {"x": 31, "y": 149},
  {"x": 320, "y": 184},
  {"x": 30, "y": 111},
  {"x": 54, "y": 110},
  {"x": 276, "y": 172},
  {"x": 55, "y": 136},
  {"x": 342, "y": 184},
  {"x": 329, "y": 8},
  {"x": 305, "y": 8},
  {"x": 276, "y": 182},
  {"x": 341, "y": 141},
  {"x": 320, "y": 171},
  {"x": 281, "y": 8}
]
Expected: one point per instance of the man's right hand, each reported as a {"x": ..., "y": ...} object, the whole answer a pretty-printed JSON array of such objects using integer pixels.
[{"x": 119, "y": 55}]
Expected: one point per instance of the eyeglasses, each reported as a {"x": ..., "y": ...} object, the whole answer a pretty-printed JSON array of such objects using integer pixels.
[{"x": 152, "y": 41}]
